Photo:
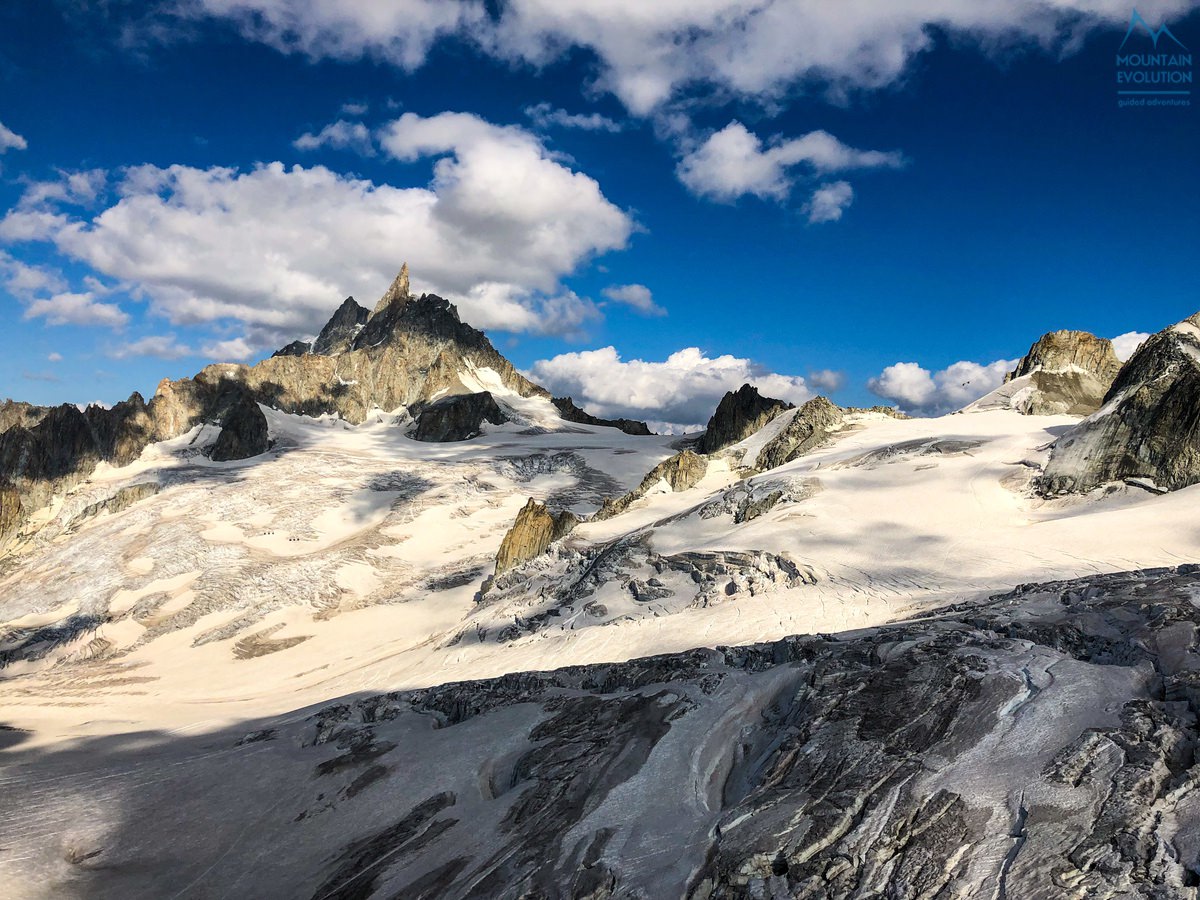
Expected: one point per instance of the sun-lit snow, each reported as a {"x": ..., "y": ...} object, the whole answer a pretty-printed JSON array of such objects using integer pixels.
[{"x": 348, "y": 558}]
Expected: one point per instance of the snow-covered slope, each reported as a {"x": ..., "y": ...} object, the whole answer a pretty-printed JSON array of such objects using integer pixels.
[
  {"x": 349, "y": 559},
  {"x": 199, "y": 667}
]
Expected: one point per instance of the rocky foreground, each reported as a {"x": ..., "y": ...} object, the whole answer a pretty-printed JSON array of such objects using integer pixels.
[{"x": 1041, "y": 744}]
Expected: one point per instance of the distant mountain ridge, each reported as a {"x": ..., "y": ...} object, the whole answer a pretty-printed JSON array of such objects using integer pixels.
[{"x": 405, "y": 354}]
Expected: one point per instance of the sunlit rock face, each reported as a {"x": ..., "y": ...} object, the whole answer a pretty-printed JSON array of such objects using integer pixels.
[
  {"x": 808, "y": 427},
  {"x": 1149, "y": 426},
  {"x": 534, "y": 530},
  {"x": 408, "y": 351},
  {"x": 1064, "y": 372}
]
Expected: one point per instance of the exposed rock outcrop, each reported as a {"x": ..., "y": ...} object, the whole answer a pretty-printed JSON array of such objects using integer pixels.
[
  {"x": 681, "y": 471},
  {"x": 340, "y": 331},
  {"x": 1148, "y": 427},
  {"x": 1064, "y": 372},
  {"x": 458, "y": 418},
  {"x": 243, "y": 432},
  {"x": 808, "y": 428},
  {"x": 295, "y": 348},
  {"x": 572, "y": 413},
  {"x": 739, "y": 414},
  {"x": 12, "y": 512},
  {"x": 15, "y": 412},
  {"x": 534, "y": 530},
  {"x": 120, "y": 501},
  {"x": 399, "y": 291},
  {"x": 1059, "y": 351},
  {"x": 751, "y": 498}
]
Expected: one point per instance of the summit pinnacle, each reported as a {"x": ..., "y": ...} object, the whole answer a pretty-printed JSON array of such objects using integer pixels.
[{"x": 398, "y": 291}]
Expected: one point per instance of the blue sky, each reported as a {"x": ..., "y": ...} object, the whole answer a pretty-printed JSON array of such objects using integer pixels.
[{"x": 643, "y": 206}]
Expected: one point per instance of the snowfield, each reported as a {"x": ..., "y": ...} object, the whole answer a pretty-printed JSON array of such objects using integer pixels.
[{"x": 349, "y": 559}]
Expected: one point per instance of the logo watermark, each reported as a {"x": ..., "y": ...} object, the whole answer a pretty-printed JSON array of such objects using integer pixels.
[{"x": 1154, "y": 67}]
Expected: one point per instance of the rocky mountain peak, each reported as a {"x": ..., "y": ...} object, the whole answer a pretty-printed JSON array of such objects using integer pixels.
[
  {"x": 340, "y": 331},
  {"x": 1147, "y": 430},
  {"x": 404, "y": 354},
  {"x": 739, "y": 414},
  {"x": 399, "y": 291},
  {"x": 1064, "y": 373},
  {"x": 1063, "y": 351}
]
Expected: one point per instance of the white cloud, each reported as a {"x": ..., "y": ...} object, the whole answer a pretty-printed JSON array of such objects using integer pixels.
[
  {"x": 76, "y": 309},
  {"x": 232, "y": 350},
  {"x": 681, "y": 391},
  {"x": 543, "y": 115},
  {"x": 340, "y": 135},
  {"x": 398, "y": 31},
  {"x": 918, "y": 391},
  {"x": 80, "y": 188},
  {"x": 828, "y": 380},
  {"x": 275, "y": 248},
  {"x": 734, "y": 161},
  {"x": 507, "y": 307},
  {"x": 829, "y": 201},
  {"x": 54, "y": 357},
  {"x": 1125, "y": 344},
  {"x": 10, "y": 140},
  {"x": 636, "y": 296},
  {"x": 162, "y": 346},
  {"x": 25, "y": 281},
  {"x": 355, "y": 109},
  {"x": 651, "y": 53}
]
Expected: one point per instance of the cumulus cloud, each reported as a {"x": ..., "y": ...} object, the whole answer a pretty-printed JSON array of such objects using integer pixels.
[
  {"x": 543, "y": 115},
  {"x": 829, "y": 201},
  {"x": 918, "y": 391},
  {"x": 827, "y": 380},
  {"x": 734, "y": 162},
  {"x": 232, "y": 350},
  {"x": 398, "y": 32},
  {"x": 25, "y": 281},
  {"x": 76, "y": 309},
  {"x": 275, "y": 248},
  {"x": 340, "y": 135},
  {"x": 54, "y": 357},
  {"x": 81, "y": 188},
  {"x": 161, "y": 346},
  {"x": 636, "y": 296},
  {"x": 681, "y": 391},
  {"x": 1125, "y": 344},
  {"x": 10, "y": 140},
  {"x": 652, "y": 53}
]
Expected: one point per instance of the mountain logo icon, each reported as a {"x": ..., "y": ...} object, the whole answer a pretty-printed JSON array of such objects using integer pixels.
[{"x": 1136, "y": 20}]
